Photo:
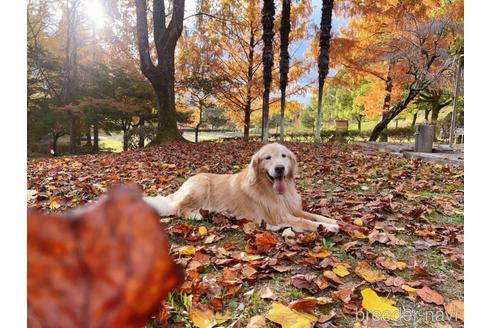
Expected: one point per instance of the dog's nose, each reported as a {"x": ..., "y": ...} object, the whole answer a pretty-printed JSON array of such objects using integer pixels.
[{"x": 279, "y": 169}]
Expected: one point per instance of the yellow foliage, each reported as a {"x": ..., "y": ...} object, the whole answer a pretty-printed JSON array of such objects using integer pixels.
[
  {"x": 379, "y": 307},
  {"x": 289, "y": 318}
]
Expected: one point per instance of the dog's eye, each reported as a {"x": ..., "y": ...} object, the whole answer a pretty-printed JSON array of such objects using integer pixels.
[
  {"x": 268, "y": 158},
  {"x": 283, "y": 155}
]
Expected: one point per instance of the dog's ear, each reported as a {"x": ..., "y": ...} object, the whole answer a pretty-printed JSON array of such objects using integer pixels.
[
  {"x": 253, "y": 169},
  {"x": 293, "y": 164}
]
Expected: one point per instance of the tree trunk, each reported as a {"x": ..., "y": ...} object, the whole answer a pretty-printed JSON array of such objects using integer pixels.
[
  {"x": 73, "y": 133},
  {"x": 161, "y": 75},
  {"x": 359, "y": 123},
  {"x": 323, "y": 58},
  {"x": 125, "y": 140},
  {"x": 247, "y": 108},
  {"x": 197, "y": 128},
  {"x": 267, "y": 20},
  {"x": 141, "y": 135},
  {"x": 55, "y": 144},
  {"x": 284, "y": 61},
  {"x": 247, "y": 121},
  {"x": 414, "y": 119},
  {"x": 317, "y": 137},
  {"x": 88, "y": 137},
  {"x": 95, "y": 147},
  {"x": 426, "y": 114},
  {"x": 391, "y": 114}
]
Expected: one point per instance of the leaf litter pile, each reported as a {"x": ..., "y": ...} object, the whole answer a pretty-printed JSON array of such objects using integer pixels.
[{"x": 397, "y": 261}]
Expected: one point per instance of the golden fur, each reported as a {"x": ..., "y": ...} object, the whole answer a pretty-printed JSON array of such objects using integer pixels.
[{"x": 248, "y": 194}]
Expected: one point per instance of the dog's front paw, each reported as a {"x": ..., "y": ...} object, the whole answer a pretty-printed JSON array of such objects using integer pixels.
[{"x": 331, "y": 227}]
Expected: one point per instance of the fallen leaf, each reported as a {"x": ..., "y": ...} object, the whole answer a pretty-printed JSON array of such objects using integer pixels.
[
  {"x": 456, "y": 309},
  {"x": 344, "y": 293},
  {"x": 307, "y": 305},
  {"x": 91, "y": 268},
  {"x": 288, "y": 318},
  {"x": 330, "y": 275},
  {"x": 364, "y": 271},
  {"x": 187, "y": 250},
  {"x": 265, "y": 241},
  {"x": 380, "y": 308},
  {"x": 202, "y": 316},
  {"x": 322, "y": 253},
  {"x": 266, "y": 292},
  {"x": 258, "y": 321},
  {"x": 341, "y": 270},
  {"x": 202, "y": 231},
  {"x": 429, "y": 295}
]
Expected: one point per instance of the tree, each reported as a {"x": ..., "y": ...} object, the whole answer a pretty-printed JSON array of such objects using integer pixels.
[
  {"x": 161, "y": 75},
  {"x": 323, "y": 58},
  {"x": 236, "y": 38},
  {"x": 424, "y": 56},
  {"x": 267, "y": 19},
  {"x": 284, "y": 60}
]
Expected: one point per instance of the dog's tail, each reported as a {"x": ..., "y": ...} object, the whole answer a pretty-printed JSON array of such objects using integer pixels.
[{"x": 163, "y": 205}]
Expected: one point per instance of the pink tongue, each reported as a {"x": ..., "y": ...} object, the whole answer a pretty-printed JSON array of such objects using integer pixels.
[{"x": 279, "y": 185}]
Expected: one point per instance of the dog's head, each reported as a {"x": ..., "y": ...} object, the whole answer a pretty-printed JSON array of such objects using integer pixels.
[{"x": 273, "y": 162}]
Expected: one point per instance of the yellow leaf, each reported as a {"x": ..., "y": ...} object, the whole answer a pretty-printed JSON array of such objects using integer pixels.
[
  {"x": 54, "y": 205},
  {"x": 401, "y": 265},
  {"x": 410, "y": 290},
  {"x": 202, "y": 230},
  {"x": 359, "y": 222},
  {"x": 358, "y": 234},
  {"x": 258, "y": 321},
  {"x": 379, "y": 307},
  {"x": 340, "y": 270},
  {"x": 456, "y": 309},
  {"x": 187, "y": 250},
  {"x": 289, "y": 318},
  {"x": 209, "y": 239},
  {"x": 321, "y": 254},
  {"x": 364, "y": 271},
  {"x": 51, "y": 188},
  {"x": 201, "y": 316}
]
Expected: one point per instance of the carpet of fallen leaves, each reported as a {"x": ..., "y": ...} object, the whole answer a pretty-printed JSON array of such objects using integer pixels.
[{"x": 398, "y": 257}]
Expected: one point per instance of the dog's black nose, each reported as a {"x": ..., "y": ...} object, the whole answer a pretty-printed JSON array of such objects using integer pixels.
[{"x": 279, "y": 169}]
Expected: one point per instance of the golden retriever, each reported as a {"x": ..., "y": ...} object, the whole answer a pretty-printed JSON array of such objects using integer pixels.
[{"x": 263, "y": 191}]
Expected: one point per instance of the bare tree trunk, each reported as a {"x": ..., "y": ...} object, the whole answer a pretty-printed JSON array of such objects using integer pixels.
[
  {"x": 88, "y": 137},
  {"x": 359, "y": 123},
  {"x": 426, "y": 114},
  {"x": 197, "y": 128},
  {"x": 284, "y": 61},
  {"x": 161, "y": 75},
  {"x": 414, "y": 119},
  {"x": 391, "y": 114},
  {"x": 323, "y": 58},
  {"x": 141, "y": 135},
  {"x": 267, "y": 20},
  {"x": 95, "y": 147},
  {"x": 247, "y": 108}
]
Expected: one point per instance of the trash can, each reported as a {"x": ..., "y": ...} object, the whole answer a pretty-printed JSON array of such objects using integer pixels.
[{"x": 424, "y": 137}]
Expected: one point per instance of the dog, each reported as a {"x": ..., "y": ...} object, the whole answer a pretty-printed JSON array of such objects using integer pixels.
[{"x": 264, "y": 192}]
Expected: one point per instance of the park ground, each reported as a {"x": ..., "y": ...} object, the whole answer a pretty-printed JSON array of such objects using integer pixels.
[{"x": 402, "y": 225}]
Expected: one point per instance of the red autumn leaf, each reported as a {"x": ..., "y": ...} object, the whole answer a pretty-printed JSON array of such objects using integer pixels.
[
  {"x": 91, "y": 268},
  {"x": 265, "y": 241}
]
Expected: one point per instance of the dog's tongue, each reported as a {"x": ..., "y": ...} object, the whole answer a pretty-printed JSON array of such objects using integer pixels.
[{"x": 279, "y": 185}]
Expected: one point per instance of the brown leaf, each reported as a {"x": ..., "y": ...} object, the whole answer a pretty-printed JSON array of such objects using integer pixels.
[
  {"x": 430, "y": 296},
  {"x": 265, "y": 241},
  {"x": 344, "y": 293},
  {"x": 456, "y": 309},
  {"x": 307, "y": 305},
  {"x": 92, "y": 269},
  {"x": 364, "y": 271}
]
